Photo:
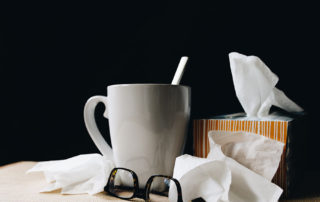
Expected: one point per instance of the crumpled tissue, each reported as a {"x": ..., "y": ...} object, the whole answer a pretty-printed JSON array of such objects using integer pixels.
[
  {"x": 81, "y": 174},
  {"x": 258, "y": 153},
  {"x": 255, "y": 86},
  {"x": 219, "y": 178}
]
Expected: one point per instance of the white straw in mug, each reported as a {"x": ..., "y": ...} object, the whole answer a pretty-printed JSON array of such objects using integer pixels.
[{"x": 178, "y": 75}]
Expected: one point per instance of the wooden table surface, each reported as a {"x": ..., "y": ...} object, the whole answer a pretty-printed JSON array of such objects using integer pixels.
[{"x": 16, "y": 186}]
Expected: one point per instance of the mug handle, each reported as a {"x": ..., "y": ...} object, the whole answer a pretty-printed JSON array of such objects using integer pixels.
[{"x": 91, "y": 125}]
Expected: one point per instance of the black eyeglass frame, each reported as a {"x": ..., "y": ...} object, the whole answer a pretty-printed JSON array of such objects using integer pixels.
[{"x": 138, "y": 193}]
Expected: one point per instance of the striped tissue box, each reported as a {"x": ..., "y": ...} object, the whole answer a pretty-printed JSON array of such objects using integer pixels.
[{"x": 276, "y": 126}]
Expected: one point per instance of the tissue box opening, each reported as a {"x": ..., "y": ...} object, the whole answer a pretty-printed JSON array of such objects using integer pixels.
[{"x": 283, "y": 127}]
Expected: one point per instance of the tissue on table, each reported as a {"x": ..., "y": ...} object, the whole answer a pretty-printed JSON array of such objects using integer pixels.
[
  {"x": 77, "y": 175},
  {"x": 200, "y": 177},
  {"x": 220, "y": 178}
]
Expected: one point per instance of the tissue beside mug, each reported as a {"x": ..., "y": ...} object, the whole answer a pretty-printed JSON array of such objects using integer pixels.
[
  {"x": 220, "y": 178},
  {"x": 81, "y": 174}
]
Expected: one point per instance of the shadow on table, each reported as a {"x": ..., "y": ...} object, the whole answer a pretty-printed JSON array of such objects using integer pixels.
[{"x": 308, "y": 189}]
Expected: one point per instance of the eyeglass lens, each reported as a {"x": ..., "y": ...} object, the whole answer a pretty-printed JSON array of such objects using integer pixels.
[
  {"x": 163, "y": 186},
  {"x": 123, "y": 184}
]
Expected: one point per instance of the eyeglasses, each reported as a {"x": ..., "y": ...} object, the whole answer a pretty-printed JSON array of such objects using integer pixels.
[{"x": 123, "y": 183}]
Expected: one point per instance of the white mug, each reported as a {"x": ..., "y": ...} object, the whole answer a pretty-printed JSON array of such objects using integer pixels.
[{"x": 148, "y": 126}]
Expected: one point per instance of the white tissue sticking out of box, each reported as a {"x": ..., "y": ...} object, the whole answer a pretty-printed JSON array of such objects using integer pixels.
[
  {"x": 77, "y": 175},
  {"x": 258, "y": 153},
  {"x": 255, "y": 86},
  {"x": 243, "y": 185}
]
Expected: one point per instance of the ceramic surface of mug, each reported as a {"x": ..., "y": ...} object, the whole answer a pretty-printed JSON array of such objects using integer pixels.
[{"x": 148, "y": 126}]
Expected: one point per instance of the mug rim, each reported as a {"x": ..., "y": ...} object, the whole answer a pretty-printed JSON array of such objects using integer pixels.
[{"x": 146, "y": 84}]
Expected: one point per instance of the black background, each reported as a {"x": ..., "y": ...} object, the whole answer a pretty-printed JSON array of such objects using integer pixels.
[{"x": 55, "y": 56}]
